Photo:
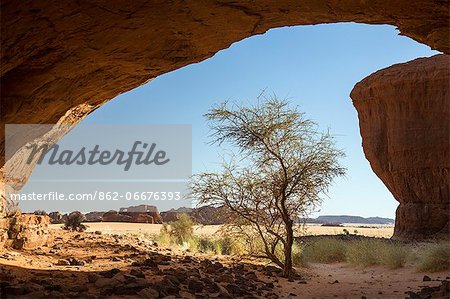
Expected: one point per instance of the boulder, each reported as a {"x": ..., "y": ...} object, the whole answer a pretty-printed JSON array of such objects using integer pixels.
[
  {"x": 28, "y": 231},
  {"x": 404, "y": 121}
]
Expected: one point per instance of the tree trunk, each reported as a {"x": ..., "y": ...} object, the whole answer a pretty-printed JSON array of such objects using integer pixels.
[{"x": 288, "y": 271}]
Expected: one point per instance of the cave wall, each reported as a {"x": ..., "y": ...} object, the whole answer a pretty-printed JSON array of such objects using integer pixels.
[{"x": 57, "y": 55}]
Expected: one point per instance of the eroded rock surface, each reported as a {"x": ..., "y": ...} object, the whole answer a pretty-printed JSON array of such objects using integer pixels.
[
  {"x": 57, "y": 55},
  {"x": 404, "y": 121},
  {"x": 24, "y": 231},
  {"x": 29, "y": 231}
]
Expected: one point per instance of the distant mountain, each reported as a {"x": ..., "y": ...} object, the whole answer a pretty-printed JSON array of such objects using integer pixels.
[
  {"x": 181, "y": 210},
  {"x": 350, "y": 219}
]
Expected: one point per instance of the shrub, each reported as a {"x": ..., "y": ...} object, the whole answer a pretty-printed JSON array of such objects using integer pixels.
[
  {"x": 325, "y": 250},
  {"x": 182, "y": 229},
  {"x": 435, "y": 257},
  {"x": 298, "y": 257},
  {"x": 226, "y": 246},
  {"x": 74, "y": 222},
  {"x": 164, "y": 238},
  {"x": 394, "y": 255},
  {"x": 222, "y": 245},
  {"x": 367, "y": 252},
  {"x": 363, "y": 252},
  {"x": 205, "y": 245},
  {"x": 40, "y": 212}
]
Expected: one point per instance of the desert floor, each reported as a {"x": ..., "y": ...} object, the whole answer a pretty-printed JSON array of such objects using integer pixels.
[
  {"x": 80, "y": 264},
  {"x": 208, "y": 230}
]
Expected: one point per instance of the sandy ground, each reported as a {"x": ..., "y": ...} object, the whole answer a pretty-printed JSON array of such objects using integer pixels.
[
  {"x": 345, "y": 281},
  {"x": 368, "y": 231},
  {"x": 106, "y": 251},
  {"x": 141, "y": 228}
]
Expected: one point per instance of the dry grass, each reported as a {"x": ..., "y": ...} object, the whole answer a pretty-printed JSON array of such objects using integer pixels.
[
  {"x": 325, "y": 251},
  {"x": 434, "y": 257},
  {"x": 364, "y": 252},
  {"x": 377, "y": 252}
]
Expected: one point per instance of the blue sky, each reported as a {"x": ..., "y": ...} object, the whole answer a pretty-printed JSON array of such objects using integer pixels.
[{"x": 315, "y": 66}]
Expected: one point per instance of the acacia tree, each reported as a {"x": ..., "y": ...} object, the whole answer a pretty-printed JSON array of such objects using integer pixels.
[{"x": 282, "y": 167}]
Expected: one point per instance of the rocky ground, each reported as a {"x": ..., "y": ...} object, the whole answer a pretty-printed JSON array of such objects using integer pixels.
[{"x": 95, "y": 265}]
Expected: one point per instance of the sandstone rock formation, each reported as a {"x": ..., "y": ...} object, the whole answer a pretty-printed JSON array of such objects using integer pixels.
[
  {"x": 57, "y": 55},
  {"x": 206, "y": 215},
  {"x": 60, "y": 56},
  {"x": 94, "y": 217},
  {"x": 134, "y": 217},
  {"x": 404, "y": 120},
  {"x": 14, "y": 174},
  {"x": 24, "y": 231}
]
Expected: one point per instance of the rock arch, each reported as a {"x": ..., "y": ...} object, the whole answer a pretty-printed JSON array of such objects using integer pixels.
[{"x": 59, "y": 55}]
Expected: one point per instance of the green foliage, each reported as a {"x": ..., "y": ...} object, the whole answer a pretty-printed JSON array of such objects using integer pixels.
[
  {"x": 226, "y": 246},
  {"x": 436, "y": 257},
  {"x": 298, "y": 258},
  {"x": 276, "y": 145},
  {"x": 74, "y": 222},
  {"x": 182, "y": 229},
  {"x": 164, "y": 238},
  {"x": 206, "y": 245}
]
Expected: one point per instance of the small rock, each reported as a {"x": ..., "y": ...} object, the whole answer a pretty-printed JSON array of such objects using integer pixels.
[
  {"x": 226, "y": 278},
  {"x": 137, "y": 273},
  {"x": 195, "y": 285},
  {"x": 110, "y": 273},
  {"x": 105, "y": 282},
  {"x": 63, "y": 263},
  {"x": 92, "y": 277},
  {"x": 76, "y": 262},
  {"x": 148, "y": 293},
  {"x": 79, "y": 288},
  {"x": 16, "y": 290},
  {"x": 426, "y": 278},
  {"x": 251, "y": 276},
  {"x": 129, "y": 278}
]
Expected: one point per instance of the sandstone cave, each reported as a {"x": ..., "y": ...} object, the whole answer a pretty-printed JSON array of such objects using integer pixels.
[{"x": 60, "y": 61}]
